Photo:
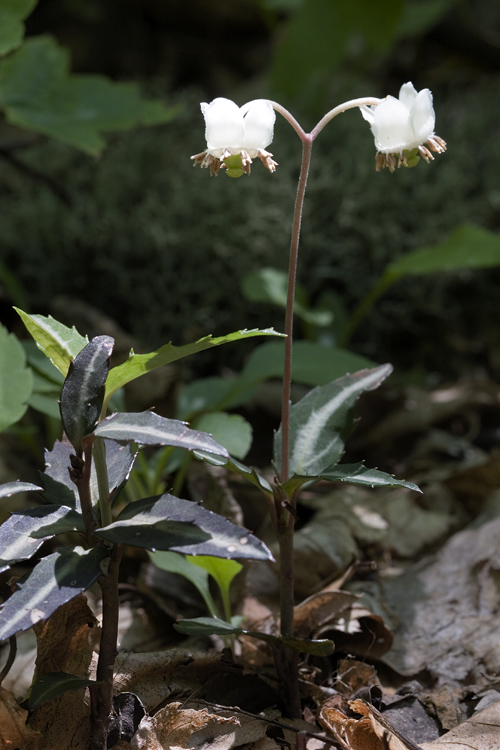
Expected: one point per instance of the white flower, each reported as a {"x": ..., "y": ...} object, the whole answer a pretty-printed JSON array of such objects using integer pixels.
[
  {"x": 236, "y": 135},
  {"x": 401, "y": 128}
]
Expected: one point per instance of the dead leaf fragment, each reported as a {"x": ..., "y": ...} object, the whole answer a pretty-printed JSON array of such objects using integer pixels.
[
  {"x": 480, "y": 732},
  {"x": 13, "y": 730},
  {"x": 176, "y": 728}
]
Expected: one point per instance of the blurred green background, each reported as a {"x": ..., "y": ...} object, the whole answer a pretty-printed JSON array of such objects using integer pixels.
[{"x": 117, "y": 218}]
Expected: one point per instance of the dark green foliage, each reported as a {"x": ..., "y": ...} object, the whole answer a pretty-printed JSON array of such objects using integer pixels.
[
  {"x": 168, "y": 522},
  {"x": 82, "y": 394},
  {"x": 56, "y": 580},
  {"x": 147, "y": 222}
]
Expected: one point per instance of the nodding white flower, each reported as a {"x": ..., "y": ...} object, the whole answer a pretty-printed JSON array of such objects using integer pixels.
[
  {"x": 402, "y": 127},
  {"x": 236, "y": 135}
]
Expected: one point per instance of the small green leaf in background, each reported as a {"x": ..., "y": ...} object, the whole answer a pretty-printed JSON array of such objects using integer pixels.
[
  {"x": 58, "y": 342},
  {"x": 52, "y": 684},
  {"x": 230, "y": 430},
  {"x": 312, "y": 363},
  {"x": 222, "y": 571},
  {"x": 270, "y": 285},
  {"x": 16, "y": 380},
  {"x": 173, "y": 562},
  {"x": 12, "y": 15},
  {"x": 467, "y": 246},
  {"x": 38, "y": 92},
  {"x": 317, "y": 38}
]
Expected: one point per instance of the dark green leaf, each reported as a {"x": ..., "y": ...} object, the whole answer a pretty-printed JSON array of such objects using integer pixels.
[
  {"x": 56, "y": 580},
  {"x": 58, "y": 342},
  {"x": 13, "y": 488},
  {"x": 233, "y": 465},
  {"x": 52, "y": 684},
  {"x": 312, "y": 363},
  {"x": 323, "y": 419},
  {"x": 59, "y": 488},
  {"x": 139, "y": 364},
  {"x": 361, "y": 474},
  {"x": 204, "y": 626},
  {"x": 82, "y": 394},
  {"x": 37, "y": 92},
  {"x": 353, "y": 474},
  {"x": 148, "y": 428},
  {"x": 16, "y": 380},
  {"x": 167, "y": 522},
  {"x": 25, "y": 531},
  {"x": 12, "y": 15}
]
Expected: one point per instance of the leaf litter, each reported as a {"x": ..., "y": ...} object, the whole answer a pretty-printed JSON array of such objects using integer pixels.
[{"x": 408, "y": 588}]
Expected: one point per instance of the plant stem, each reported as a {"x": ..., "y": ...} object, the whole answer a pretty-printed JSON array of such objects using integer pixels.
[
  {"x": 101, "y": 470},
  {"x": 284, "y": 518},
  {"x": 80, "y": 474},
  {"x": 102, "y": 695}
]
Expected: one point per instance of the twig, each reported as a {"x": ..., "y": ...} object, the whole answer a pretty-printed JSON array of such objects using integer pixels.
[{"x": 10, "y": 659}]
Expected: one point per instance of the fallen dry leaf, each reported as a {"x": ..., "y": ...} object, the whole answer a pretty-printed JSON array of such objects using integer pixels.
[
  {"x": 480, "y": 732},
  {"x": 13, "y": 730},
  {"x": 177, "y": 728}
]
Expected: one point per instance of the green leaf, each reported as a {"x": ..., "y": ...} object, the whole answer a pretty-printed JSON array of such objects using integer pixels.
[
  {"x": 53, "y": 684},
  {"x": 169, "y": 523},
  {"x": 312, "y": 363},
  {"x": 322, "y": 420},
  {"x": 13, "y": 488},
  {"x": 60, "y": 490},
  {"x": 25, "y": 531},
  {"x": 12, "y": 15},
  {"x": 468, "y": 246},
  {"x": 45, "y": 404},
  {"x": 58, "y": 342},
  {"x": 222, "y": 571},
  {"x": 82, "y": 394},
  {"x": 353, "y": 474},
  {"x": 233, "y": 465},
  {"x": 37, "y": 92},
  {"x": 139, "y": 364},
  {"x": 270, "y": 285},
  {"x": 212, "y": 394},
  {"x": 318, "y": 35},
  {"x": 56, "y": 580},
  {"x": 204, "y": 626},
  {"x": 421, "y": 15},
  {"x": 173, "y": 562},
  {"x": 230, "y": 430},
  {"x": 16, "y": 380},
  {"x": 148, "y": 428}
]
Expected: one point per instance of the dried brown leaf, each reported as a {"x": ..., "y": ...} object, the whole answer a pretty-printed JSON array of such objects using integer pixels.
[{"x": 13, "y": 730}]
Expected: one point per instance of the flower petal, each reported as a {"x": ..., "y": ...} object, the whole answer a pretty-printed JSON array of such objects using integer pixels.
[
  {"x": 392, "y": 127},
  {"x": 368, "y": 112},
  {"x": 407, "y": 94},
  {"x": 422, "y": 116},
  {"x": 259, "y": 118},
  {"x": 224, "y": 127}
]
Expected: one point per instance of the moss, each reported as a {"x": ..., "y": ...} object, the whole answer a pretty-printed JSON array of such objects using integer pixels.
[{"x": 162, "y": 247}]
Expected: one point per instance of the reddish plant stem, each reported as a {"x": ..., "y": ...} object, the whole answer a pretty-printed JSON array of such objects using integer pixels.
[
  {"x": 292, "y": 275},
  {"x": 102, "y": 695}
]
